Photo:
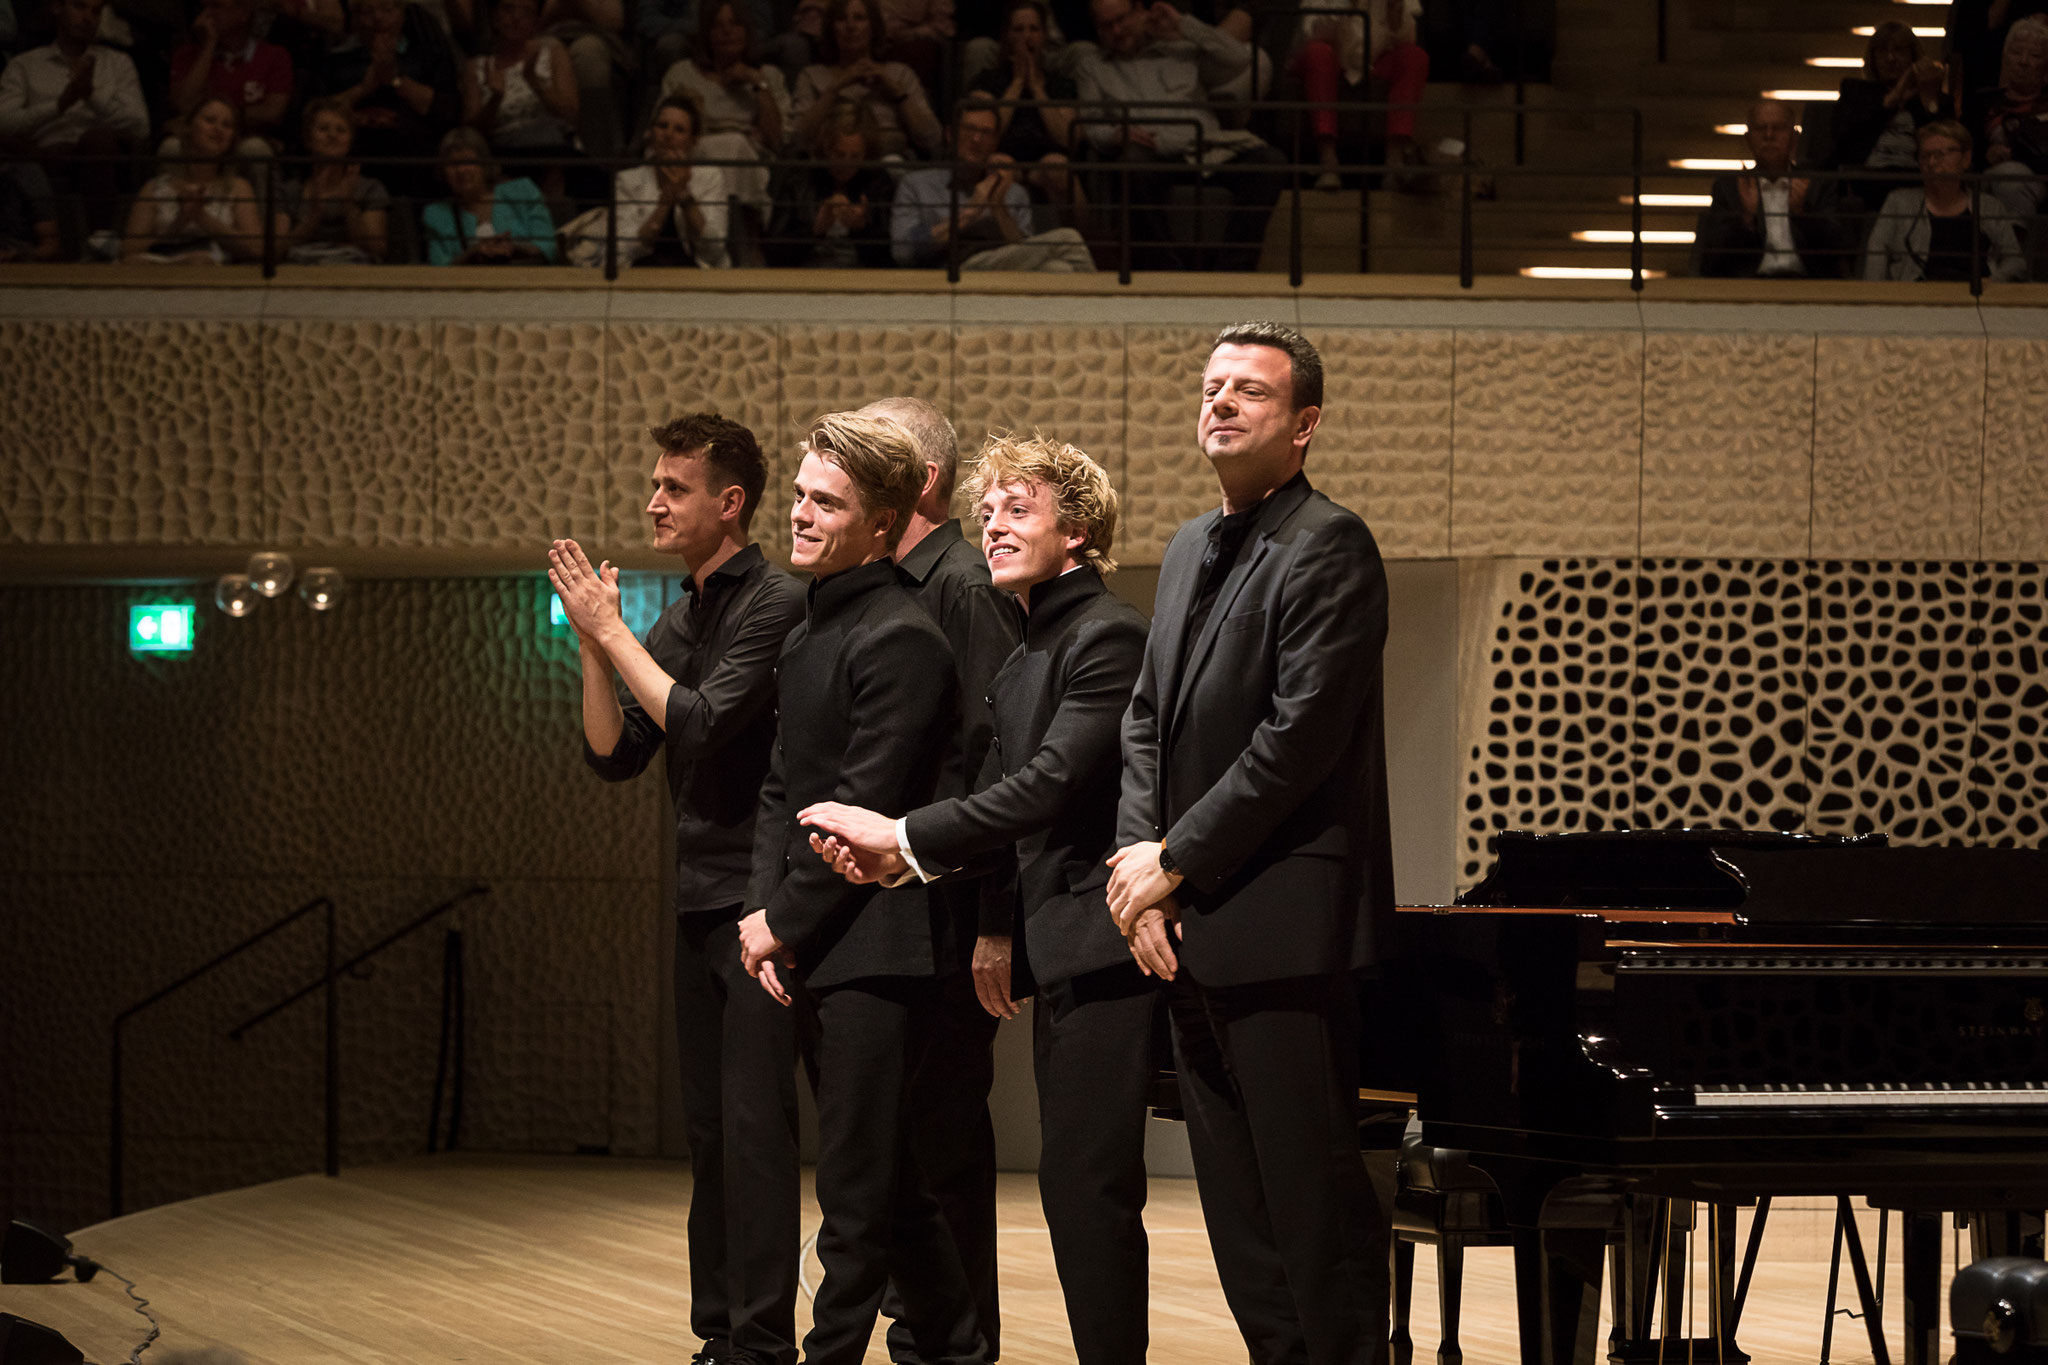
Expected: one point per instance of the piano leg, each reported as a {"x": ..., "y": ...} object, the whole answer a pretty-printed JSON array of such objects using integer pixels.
[
  {"x": 1557, "y": 1293},
  {"x": 1866, "y": 1294},
  {"x": 1920, "y": 1256},
  {"x": 1402, "y": 1344},
  {"x": 1450, "y": 1291}
]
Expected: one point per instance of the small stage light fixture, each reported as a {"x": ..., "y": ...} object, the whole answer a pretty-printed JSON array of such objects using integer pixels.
[{"x": 33, "y": 1255}]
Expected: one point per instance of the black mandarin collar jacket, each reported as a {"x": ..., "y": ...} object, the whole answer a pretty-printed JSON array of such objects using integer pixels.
[
  {"x": 867, "y": 693},
  {"x": 1052, "y": 778}
]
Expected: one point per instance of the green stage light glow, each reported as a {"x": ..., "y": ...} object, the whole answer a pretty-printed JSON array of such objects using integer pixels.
[{"x": 160, "y": 628}]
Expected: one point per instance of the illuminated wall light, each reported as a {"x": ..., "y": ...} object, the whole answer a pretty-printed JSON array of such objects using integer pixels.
[
  {"x": 1671, "y": 201},
  {"x": 1586, "y": 272},
  {"x": 1708, "y": 163},
  {"x": 1804, "y": 96},
  {"x": 1870, "y": 31},
  {"x": 1732, "y": 129},
  {"x": 160, "y": 628},
  {"x": 1837, "y": 63},
  {"x": 1651, "y": 236}
]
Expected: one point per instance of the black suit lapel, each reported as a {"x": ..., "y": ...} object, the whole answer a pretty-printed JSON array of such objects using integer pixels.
[{"x": 1170, "y": 629}]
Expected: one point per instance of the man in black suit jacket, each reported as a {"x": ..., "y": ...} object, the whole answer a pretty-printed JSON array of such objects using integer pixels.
[
  {"x": 868, "y": 696},
  {"x": 1255, "y": 792},
  {"x": 955, "y": 1136},
  {"x": 702, "y": 686},
  {"x": 1045, "y": 806}
]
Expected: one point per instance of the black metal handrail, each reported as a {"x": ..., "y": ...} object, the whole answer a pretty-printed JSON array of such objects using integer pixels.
[{"x": 330, "y": 975}]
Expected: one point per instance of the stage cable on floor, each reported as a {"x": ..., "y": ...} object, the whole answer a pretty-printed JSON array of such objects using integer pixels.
[{"x": 142, "y": 1307}]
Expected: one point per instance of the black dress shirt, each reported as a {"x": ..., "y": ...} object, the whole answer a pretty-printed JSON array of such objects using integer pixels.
[
  {"x": 868, "y": 711},
  {"x": 720, "y": 646},
  {"x": 1226, "y": 542}
]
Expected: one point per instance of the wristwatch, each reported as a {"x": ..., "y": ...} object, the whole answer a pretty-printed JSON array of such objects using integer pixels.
[{"x": 1167, "y": 864}]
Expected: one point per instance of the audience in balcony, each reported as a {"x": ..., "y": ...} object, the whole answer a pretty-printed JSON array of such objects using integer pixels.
[
  {"x": 1772, "y": 222},
  {"x": 1940, "y": 230},
  {"x": 485, "y": 221},
  {"x": 1873, "y": 124},
  {"x": 72, "y": 103},
  {"x": 852, "y": 72},
  {"x": 225, "y": 60},
  {"x": 198, "y": 211},
  {"x": 395, "y": 74},
  {"x": 335, "y": 215},
  {"x": 1330, "y": 60},
  {"x": 977, "y": 208},
  {"x": 834, "y": 213},
  {"x": 745, "y": 106},
  {"x": 593, "y": 33},
  {"x": 2011, "y": 120},
  {"x": 671, "y": 212},
  {"x": 1152, "y": 56},
  {"x": 1035, "y": 138},
  {"x": 921, "y": 34}
]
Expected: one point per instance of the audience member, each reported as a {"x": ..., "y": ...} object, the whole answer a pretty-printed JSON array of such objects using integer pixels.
[
  {"x": 522, "y": 95},
  {"x": 336, "y": 215},
  {"x": 1331, "y": 58},
  {"x": 669, "y": 211},
  {"x": 1035, "y": 137},
  {"x": 593, "y": 30},
  {"x": 28, "y": 214},
  {"x": 396, "y": 76},
  {"x": 978, "y": 200},
  {"x": 801, "y": 42},
  {"x": 1872, "y": 126},
  {"x": 745, "y": 107},
  {"x": 920, "y": 36},
  {"x": 850, "y": 72},
  {"x": 2013, "y": 119},
  {"x": 1769, "y": 222},
  {"x": 225, "y": 60},
  {"x": 835, "y": 213},
  {"x": 74, "y": 105},
  {"x": 485, "y": 221},
  {"x": 1160, "y": 56},
  {"x": 1936, "y": 232},
  {"x": 198, "y": 211},
  {"x": 670, "y": 30},
  {"x": 1977, "y": 31}
]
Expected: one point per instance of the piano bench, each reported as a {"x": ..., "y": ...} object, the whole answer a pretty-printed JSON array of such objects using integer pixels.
[
  {"x": 1440, "y": 1201},
  {"x": 1999, "y": 1310}
]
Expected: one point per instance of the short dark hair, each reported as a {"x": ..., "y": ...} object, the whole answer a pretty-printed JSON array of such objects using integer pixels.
[
  {"x": 728, "y": 449},
  {"x": 702, "y": 39},
  {"x": 685, "y": 101},
  {"x": 1304, "y": 361}
]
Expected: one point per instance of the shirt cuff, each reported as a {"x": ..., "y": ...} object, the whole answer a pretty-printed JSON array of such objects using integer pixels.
[{"x": 903, "y": 849}]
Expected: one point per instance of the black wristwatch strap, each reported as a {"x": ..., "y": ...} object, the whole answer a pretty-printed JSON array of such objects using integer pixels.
[{"x": 1167, "y": 864}]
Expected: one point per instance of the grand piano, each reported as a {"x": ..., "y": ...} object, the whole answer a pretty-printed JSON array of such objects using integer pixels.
[{"x": 1723, "y": 1018}]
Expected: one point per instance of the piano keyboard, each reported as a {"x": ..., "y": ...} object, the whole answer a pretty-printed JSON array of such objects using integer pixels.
[{"x": 1810, "y": 1096}]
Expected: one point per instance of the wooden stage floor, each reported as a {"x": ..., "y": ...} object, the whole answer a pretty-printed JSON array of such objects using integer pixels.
[{"x": 523, "y": 1260}]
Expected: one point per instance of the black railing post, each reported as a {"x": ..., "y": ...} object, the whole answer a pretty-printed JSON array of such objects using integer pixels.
[
  {"x": 611, "y": 233},
  {"x": 333, "y": 1053},
  {"x": 270, "y": 220},
  {"x": 953, "y": 222},
  {"x": 1635, "y": 205},
  {"x": 1123, "y": 200},
  {"x": 1976, "y": 239}
]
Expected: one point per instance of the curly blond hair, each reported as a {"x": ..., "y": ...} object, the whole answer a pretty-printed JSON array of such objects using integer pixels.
[
  {"x": 879, "y": 455},
  {"x": 1083, "y": 497}
]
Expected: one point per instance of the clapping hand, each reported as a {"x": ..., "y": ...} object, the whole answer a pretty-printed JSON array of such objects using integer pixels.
[
  {"x": 80, "y": 83},
  {"x": 590, "y": 596}
]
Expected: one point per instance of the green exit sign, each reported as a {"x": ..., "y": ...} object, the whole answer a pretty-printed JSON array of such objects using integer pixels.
[{"x": 160, "y": 628}]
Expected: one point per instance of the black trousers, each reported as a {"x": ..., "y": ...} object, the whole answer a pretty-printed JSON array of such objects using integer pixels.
[
  {"x": 881, "y": 1224},
  {"x": 1091, "y": 1040},
  {"x": 956, "y": 1148},
  {"x": 738, "y": 1053},
  {"x": 1269, "y": 1077}
]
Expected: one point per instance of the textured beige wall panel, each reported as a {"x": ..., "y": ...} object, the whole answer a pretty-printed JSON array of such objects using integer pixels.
[
  {"x": 1898, "y": 446},
  {"x": 834, "y": 369},
  {"x": 1547, "y": 444},
  {"x": 655, "y": 373},
  {"x": 523, "y": 455},
  {"x": 1066, "y": 381},
  {"x": 2016, "y": 451},
  {"x": 177, "y": 444},
  {"x": 49, "y": 389},
  {"x": 350, "y": 427},
  {"x": 1727, "y": 444},
  {"x": 1384, "y": 447},
  {"x": 1166, "y": 480}
]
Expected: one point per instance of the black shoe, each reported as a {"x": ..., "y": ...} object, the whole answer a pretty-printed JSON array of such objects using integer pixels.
[{"x": 715, "y": 1353}]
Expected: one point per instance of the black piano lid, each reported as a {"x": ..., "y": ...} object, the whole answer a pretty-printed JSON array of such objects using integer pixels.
[{"x": 1775, "y": 881}]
